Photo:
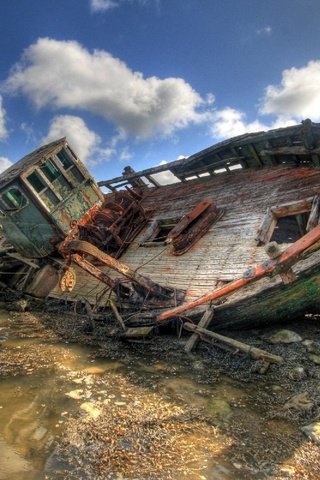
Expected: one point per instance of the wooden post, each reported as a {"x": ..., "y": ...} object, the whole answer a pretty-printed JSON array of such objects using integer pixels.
[
  {"x": 254, "y": 352},
  {"x": 273, "y": 251},
  {"x": 117, "y": 315},
  {"x": 204, "y": 323}
]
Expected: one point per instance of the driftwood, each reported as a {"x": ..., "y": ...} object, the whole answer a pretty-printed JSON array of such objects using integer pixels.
[
  {"x": 204, "y": 322},
  {"x": 117, "y": 315},
  {"x": 254, "y": 352}
]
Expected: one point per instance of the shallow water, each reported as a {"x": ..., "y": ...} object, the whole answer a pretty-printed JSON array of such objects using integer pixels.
[{"x": 35, "y": 405}]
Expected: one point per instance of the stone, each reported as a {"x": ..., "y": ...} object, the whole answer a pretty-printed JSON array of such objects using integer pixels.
[
  {"x": 198, "y": 365},
  {"x": 285, "y": 336},
  {"x": 297, "y": 373},
  {"x": 91, "y": 409},
  {"x": 39, "y": 433},
  {"x": 315, "y": 358},
  {"x": 312, "y": 431},
  {"x": 312, "y": 346},
  {"x": 302, "y": 401},
  {"x": 75, "y": 394}
]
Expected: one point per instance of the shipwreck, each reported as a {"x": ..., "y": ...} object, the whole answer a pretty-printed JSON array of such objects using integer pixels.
[{"x": 234, "y": 241}]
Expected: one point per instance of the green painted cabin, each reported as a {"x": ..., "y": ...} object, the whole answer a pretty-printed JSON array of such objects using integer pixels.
[{"x": 41, "y": 195}]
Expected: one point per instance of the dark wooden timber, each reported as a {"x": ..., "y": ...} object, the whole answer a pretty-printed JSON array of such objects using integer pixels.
[{"x": 254, "y": 352}]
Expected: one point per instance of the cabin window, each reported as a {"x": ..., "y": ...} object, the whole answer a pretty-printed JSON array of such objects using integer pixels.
[
  {"x": 13, "y": 199},
  {"x": 55, "y": 176},
  {"x": 70, "y": 167},
  {"x": 286, "y": 223},
  {"x": 45, "y": 193},
  {"x": 157, "y": 232},
  {"x": 289, "y": 229}
]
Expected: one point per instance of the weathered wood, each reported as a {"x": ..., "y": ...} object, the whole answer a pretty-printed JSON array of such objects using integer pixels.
[
  {"x": 314, "y": 214},
  {"x": 273, "y": 251},
  {"x": 23, "y": 259},
  {"x": 137, "y": 332},
  {"x": 294, "y": 150},
  {"x": 204, "y": 323},
  {"x": 268, "y": 224},
  {"x": 292, "y": 208},
  {"x": 117, "y": 315},
  {"x": 288, "y": 257},
  {"x": 254, "y": 352}
]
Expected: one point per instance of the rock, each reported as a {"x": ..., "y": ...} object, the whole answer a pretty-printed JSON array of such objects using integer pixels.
[
  {"x": 315, "y": 358},
  {"x": 39, "y": 433},
  {"x": 91, "y": 409},
  {"x": 297, "y": 373},
  {"x": 219, "y": 410},
  {"x": 198, "y": 365},
  {"x": 20, "y": 305},
  {"x": 312, "y": 431},
  {"x": 285, "y": 336},
  {"x": 312, "y": 346},
  {"x": 301, "y": 401},
  {"x": 76, "y": 394}
]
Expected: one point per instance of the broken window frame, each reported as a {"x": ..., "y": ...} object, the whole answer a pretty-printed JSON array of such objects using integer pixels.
[
  {"x": 273, "y": 214},
  {"x": 6, "y": 207},
  {"x": 48, "y": 196},
  {"x": 69, "y": 166}
]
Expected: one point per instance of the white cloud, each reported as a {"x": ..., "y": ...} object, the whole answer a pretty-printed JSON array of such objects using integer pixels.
[
  {"x": 63, "y": 74},
  {"x": 105, "y": 5},
  {"x": 102, "y": 5},
  {"x": 230, "y": 122},
  {"x": 4, "y": 164},
  {"x": 298, "y": 95},
  {"x": 84, "y": 141},
  {"x": 3, "y": 129},
  {"x": 264, "y": 31}
]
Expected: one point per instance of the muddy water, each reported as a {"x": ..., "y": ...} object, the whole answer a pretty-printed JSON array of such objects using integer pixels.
[{"x": 48, "y": 388}]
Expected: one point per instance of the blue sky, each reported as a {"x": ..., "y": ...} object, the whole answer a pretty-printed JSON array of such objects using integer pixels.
[{"x": 142, "y": 82}]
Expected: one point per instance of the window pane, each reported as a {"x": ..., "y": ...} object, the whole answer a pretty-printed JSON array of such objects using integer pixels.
[
  {"x": 49, "y": 199},
  {"x": 76, "y": 174},
  {"x": 64, "y": 159},
  {"x": 14, "y": 198},
  {"x": 51, "y": 171},
  {"x": 36, "y": 181}
]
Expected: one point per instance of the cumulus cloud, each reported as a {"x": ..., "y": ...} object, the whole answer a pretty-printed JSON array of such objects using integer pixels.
[
  {"x": 298, "y": 95},
  {"x": 3, "y": 129},
  {"x": 4, "y": 164},
  {"x": 84, "y": 141},
  {"x": 229, "y": 122},
  {"x": 63, "y": 74}
]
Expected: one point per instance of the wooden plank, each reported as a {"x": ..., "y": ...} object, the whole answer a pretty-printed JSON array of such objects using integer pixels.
[
  {"x": 254, "y": 352},
  {"x": 291, "y": 255},
  {"x": 204, "y": 323}
]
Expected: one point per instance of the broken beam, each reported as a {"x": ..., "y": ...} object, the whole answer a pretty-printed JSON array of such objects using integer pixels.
[{"x": 254, "y": 352}]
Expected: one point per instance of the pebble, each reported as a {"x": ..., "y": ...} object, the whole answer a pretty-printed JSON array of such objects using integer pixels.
[
  {"x": 302, "y": 401},
  {"x": 297, "y": 373},
  {"x": 285, "y": 336},
  {"x": 75, "y": 394},
  {"x": 312, "y": 431},
  {"x": 315, "y": 358}
]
